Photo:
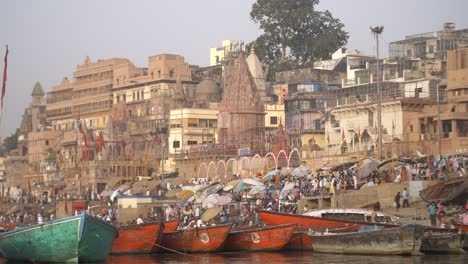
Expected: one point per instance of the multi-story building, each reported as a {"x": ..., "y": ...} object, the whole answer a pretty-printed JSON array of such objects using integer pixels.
[
  {"x": 228, "y": 48},
  {"x": 433, "y": 45},
  {"x": 190, "y": 127},
  {"x": 454, "y": 121}
]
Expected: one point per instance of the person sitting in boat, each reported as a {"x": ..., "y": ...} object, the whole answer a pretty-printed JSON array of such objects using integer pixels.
[
  {"x": 139, "y": 220},
  {"x": 199, "y": 223}
]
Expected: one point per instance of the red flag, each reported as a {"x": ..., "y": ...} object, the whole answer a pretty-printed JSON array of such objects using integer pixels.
[{"x": 5, "y": 61}]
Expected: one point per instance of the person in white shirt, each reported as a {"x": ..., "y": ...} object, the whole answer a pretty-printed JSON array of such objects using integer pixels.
[
  {"x": 139, "y": 221},
  {"x": 354, "y": 181},
  {"x": 199, "y": 223}
]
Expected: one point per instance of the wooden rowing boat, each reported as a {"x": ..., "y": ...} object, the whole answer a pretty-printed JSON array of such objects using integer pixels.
[
  {"x": 197, "y": 240},
  {"x": 403, "y": 240},
  {"x": 137, "y": 239},
  {"x": 267, "y": 238},
  {"x": 311, "y": 222},
  {"x": 80, "y": 238}
]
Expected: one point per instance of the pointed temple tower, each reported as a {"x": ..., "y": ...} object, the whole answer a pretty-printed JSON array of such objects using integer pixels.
[{"x": 241, "y": 118}]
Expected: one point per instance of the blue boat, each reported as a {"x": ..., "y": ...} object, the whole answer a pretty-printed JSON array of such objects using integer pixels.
[{"x": 80, "y": 238}]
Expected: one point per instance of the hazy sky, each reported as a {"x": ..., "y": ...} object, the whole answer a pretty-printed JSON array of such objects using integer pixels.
[{"x": 48, "y": 38}]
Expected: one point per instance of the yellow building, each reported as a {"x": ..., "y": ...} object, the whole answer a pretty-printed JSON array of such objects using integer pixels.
[{"x": 191, "y": 126}]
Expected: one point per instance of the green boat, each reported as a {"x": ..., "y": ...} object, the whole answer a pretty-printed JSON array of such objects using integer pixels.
[{"x": 80, "y": 238}]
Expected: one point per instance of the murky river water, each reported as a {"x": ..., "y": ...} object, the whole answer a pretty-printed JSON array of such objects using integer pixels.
[{"x": 282, "y": 257}]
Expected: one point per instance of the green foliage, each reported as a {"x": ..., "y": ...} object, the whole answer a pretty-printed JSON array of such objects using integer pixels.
[
  {"x": 294, "y": 33},
  {"x": 10, "y": 143}
]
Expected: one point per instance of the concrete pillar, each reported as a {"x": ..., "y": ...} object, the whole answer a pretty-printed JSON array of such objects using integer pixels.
[{"x": 454, "y": 129}]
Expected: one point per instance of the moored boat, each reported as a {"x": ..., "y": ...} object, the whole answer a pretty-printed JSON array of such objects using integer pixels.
[
  {"x": 80, "y": 238},
  {"x": 137, "y": 239},
  {"x": 464, "y": 229},
  {"x": 197, "y": 240},
  {"x": 442, "y": 243},
  {"x": 300, "y": 240},
  {"x": 267, "y": 238},
  {"x": 312, "y": 222},
  {"x": 170, "y": 226},
  {"x": 404, "y": 240},
  {"x": 6, "y": 227}
]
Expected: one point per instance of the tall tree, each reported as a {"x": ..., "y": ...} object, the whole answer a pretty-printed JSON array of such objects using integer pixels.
[{"x": 294, "y": 33}]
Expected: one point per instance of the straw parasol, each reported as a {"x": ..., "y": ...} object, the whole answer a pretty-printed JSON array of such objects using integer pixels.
[{"x": 210, "y": 214}]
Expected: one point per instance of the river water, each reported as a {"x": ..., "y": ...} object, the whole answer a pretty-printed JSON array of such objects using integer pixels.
[{"x": 280, "y": 257}]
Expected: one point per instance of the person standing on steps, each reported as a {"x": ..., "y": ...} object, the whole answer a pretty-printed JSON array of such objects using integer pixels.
[
  {"x": 432, "y": 208},
  {"x": 405, "y": 198},
  {"x": 397, "y": 201}
]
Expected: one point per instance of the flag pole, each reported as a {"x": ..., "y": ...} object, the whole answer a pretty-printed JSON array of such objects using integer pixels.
[{"x": 5, "y": 63}]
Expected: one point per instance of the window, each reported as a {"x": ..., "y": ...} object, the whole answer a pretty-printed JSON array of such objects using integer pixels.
[
  {"x": 171, "y": 73},
  {"x": 273, "y": 120},
  {"x": 417, "y": 92},
  {"x": 431, "y": 49},
  {"x": 192, "y": 142},
  {"x": 176, "y": 144},
  {"x": 317, "y": 123},
  {"x": 411, "y": 128},
  {"x": 47, "y": 142}
]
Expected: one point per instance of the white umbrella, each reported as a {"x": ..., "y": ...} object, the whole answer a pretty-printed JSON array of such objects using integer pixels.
[
  {"x": 210, "y": 201},
  {"x": 252, "y": 181},
  {"x": 210, "y": 189},
  {"x": 270, "y": 174},
  {"x": 301, "y": 171},
  {"x": 257, "y": 189},
  {"x": 286, "y": 189}
]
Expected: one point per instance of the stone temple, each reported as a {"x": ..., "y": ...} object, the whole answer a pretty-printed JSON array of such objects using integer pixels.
[{"x": 241, "y": 119}]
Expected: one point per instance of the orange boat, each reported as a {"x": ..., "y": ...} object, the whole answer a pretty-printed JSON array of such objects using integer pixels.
[
  {"x": 268, "y": 238},
  {"x": 300, "y": 240},
  {"x": 316, "y": 223},
  {"x": 170, "y": 226},
  {"x": 197, "y": 240},
  {"x": 6, "y": 227},
  {"x": 137, "y": 239},
  {"x": 462, "y": 227}
]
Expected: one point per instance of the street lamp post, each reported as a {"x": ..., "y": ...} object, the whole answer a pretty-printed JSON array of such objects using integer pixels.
[
  {"x": 377, "y": 31},
  {"x": 438, "y": 74}
]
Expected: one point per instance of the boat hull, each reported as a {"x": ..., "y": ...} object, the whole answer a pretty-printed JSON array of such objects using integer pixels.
[
  {"x": 137, "y": 239},
  {"x": 199, "y": 240},
  {"x": 299, "y": 241},
  {"x": 170, "y": 226},
  {"x": 81, "y": 238},
  {"x": 311, "y": 222},
  {"x": 443, "y": 243},
  {"x": 268, "y": 238},
  {"x": 405, "y": 240}
]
